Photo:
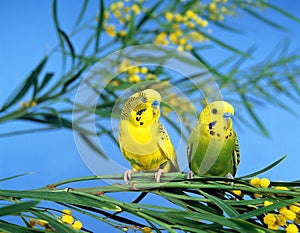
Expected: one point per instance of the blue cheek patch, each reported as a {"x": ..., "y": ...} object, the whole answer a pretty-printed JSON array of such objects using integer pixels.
[{"x": 155, "y": 103}]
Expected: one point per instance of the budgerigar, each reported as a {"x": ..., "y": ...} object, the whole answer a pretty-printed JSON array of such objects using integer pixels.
[
  {"x": 213, "y": 145},
  {"x": 144, "y": 142}
]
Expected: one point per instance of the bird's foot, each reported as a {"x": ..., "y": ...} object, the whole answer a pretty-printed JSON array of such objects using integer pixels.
[
  {"x": 158, "y": 174},
  {"x": 230, "y": 176},
  {"x": 190, "y": 175},
  {"x": 127, "y": 175}
]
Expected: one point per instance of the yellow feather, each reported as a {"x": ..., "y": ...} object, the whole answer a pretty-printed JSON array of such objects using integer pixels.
[{"x": 143, "y": 140}]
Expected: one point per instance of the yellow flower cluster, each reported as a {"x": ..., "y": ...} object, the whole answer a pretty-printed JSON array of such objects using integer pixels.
[
  {"x": 42, "y": 223},
  {"x": 285, "y": 217},
  {"x": 123, "y": 14},
  {"x": 134, "y": 72},
  {"x": 218, "y": 9},
  {"x": 181, "y": 23},
  {"x": 30, "y": 103},
  {"x": 67, "y": 218}
]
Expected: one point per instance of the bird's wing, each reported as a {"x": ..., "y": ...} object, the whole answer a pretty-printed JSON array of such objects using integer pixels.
[
  {"x": 236, "y": 156},
  {"x": 193, "y": 142},
  {"x": 166, "y": 146}
]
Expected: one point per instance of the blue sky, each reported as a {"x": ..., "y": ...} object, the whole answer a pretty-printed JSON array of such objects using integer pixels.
[{"x": 28, "y": 33}]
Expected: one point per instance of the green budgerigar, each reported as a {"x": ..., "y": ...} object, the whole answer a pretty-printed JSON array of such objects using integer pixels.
[{"x": 213, "y": 145}]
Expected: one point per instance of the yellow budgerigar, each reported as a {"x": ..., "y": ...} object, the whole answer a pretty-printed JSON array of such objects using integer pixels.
[
  {"x": 213, "y": 145},
  {"x": 144, "y": 142}
]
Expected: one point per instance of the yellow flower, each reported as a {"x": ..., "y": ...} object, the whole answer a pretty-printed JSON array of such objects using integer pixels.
[
  {"x": 255, "y": 181},
  {"x": 24, "y": 104},
  {"x": 191, "y": 14},
  {"x": 146, "y": 230},
  {"x": 289, "y": 215},
  {"x": 188, "y": 47},
  {"x": 151, "y": 76},
  {"x": 220, "y": 17},
  {"x": 169, "y": 16},
  {"x": 180, "y": 48},
  {"x": 122, "y": 33},
  {"x": 258, "y": 195},
  {"x": 111, "y": 31},
  {"x": 237, "y": 192},
  {"x": 264, "y": 183},
  {"x": 191, "y": 25},
  {"x": 106, "y": 14},
  {"x": 178, "y": 32},
  {"x": 173, "y": 38},
  {"x": 126, "y": 10},
  {"x": 267, "y": 203},
  {"x": 134, "y": 78},
  {"x": 291, "y": 228},
  {"x": 178, "y": 18},
  {"x": 42, "y": 223},
  {"x": 136, "y": 9},
  {"x": 282, "y": 210},
  {"x": 67, "y": 219},
  {"x": 269, "y": 219},
  {"x": 280, "y": 220},
  {"x": 66, "y": 212},
  {"x": 176, "y": 26},
  {"x": 160, "y": 38},
  {"x": 182, "y": 41},
  {"x": 273, "y": 227},
  {"x": 77, "y": 225},
  {"x": 32, "y": 222},
  {"x": 143, "y": 70},
  {"x": 295, "y": 208},
  {"x": 196, "y": 36},
  {"x": 113, "y": 6},
  {"x": 120, "y": 4},
  {"x": 212, "y": 6}
]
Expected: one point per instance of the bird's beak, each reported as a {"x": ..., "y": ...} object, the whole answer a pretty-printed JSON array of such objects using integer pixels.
[
  {"x": 155, "y": 104},
  {"x": 227, "y": 117}
]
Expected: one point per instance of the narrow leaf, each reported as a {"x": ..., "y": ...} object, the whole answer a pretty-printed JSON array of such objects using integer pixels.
[
  {"x": 264, "y": 169},
  {"x": 99, "y": 27},
  {"x": 221, "y": 204},
  {"x": 15, "y": 208},
  {"x": 23, "y": 89}
]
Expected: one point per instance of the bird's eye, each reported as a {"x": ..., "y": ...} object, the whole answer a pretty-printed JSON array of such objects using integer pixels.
[
  {"x": 214, "y": 111},
  {"x": 144, "y": 99}
]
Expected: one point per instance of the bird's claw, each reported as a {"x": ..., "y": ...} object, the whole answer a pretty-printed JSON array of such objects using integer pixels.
[
  {"x": 230, "y": 176},
  {"x": 158, "y": 174},
  {"x": 190, "y": 175},
  {"x": 127, "y": 175}
]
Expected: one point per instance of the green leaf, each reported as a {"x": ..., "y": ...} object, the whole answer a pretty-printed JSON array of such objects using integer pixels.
[
  {"x": 221, "y": 204},
  {"x": 58, "y": 226},
  {"x": 68, "y": 41},
  {"x": 16, "y": 176},
  {"x": 278, "y": 9},
  {"x": 253, "y": 115},
  {"x": 148, "y": 14},
  {"x": 83, "y": 9},
  {"x": 223, "y": 44},
  {"x": 46, "y": 80},
  {"x": 99, "y": 27},
  {"x": 9, "y": 227},
  {"x": 24, "y": 87},
  {"x": 264, "y": 169},
  {"x": 15, "y": 208},
  {"x": 263, "y": 19}
]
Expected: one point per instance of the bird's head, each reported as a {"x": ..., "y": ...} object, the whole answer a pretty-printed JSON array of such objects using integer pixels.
[
  {"x": 217, "y": 115},
  {"x": 146, "y": 108}
]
